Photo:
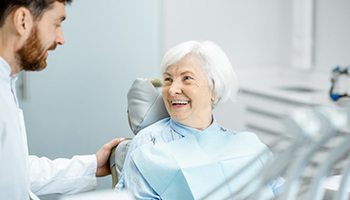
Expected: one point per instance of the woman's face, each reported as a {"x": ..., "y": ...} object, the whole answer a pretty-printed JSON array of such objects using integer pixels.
[{"x": 186, "y": 93}]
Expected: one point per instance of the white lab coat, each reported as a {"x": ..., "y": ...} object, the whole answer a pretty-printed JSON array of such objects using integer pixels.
[{"x": 22, "y": 176}]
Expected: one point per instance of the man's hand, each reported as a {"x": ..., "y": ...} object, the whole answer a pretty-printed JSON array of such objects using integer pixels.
[{"x": 102, "y": 156}]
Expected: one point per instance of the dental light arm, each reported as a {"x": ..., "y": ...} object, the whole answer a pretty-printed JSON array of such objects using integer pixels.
[
  {"x": 317, "y": 190},
  {"x": 340, "y": 119},
  {"x": 303, "y": 125},
  {"x": 328, "y": 130},
  {"x": 343, "y": 191}
]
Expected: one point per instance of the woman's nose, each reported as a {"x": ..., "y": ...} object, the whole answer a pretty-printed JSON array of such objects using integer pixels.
[{"x": 175, "y": 88}]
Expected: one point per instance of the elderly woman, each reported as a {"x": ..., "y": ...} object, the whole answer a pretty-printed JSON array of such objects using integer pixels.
[{"x": 189, "y": 154}]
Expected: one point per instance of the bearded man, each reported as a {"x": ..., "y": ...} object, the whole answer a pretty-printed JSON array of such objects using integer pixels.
[{"x": 29, "y": 29}]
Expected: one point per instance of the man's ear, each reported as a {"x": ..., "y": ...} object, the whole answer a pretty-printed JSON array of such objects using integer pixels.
[{"x": 23, "y": 21}]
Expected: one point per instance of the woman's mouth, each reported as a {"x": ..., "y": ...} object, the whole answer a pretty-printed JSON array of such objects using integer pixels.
[{"x": 179, "y": 102}]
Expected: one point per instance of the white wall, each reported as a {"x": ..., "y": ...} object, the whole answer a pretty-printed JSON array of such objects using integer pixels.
[
  {"x": 79, "y": 102},
  {"x": 252, "y": 32},
  {"x": 259, "y": 33},
  {"x": 332, "y": 35}
]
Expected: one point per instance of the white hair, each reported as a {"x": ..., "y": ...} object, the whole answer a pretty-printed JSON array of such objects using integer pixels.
[{"x": 221, "y": 76}]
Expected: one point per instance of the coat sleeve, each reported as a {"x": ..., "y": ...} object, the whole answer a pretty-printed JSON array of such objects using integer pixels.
[{"x": 62, "y": 176}]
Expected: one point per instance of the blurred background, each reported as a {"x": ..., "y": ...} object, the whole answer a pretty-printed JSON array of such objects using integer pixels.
[{"x": 282, "y": 50}]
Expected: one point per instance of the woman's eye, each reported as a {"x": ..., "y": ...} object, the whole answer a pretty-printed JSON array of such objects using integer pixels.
[
  {"x": 187, "y": 78},
  {"x": 167, "y": 80}
]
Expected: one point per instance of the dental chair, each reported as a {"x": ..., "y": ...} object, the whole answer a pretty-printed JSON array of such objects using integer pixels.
[
  {"x": 312, "y": 129},
  {"x": 145, "y": 106}
]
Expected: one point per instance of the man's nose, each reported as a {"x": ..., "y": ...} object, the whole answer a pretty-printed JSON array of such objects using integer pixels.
[{"x": 60, "y": 37}]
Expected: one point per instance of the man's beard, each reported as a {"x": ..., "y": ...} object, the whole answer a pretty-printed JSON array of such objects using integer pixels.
[{"x": 31, "y": 55}]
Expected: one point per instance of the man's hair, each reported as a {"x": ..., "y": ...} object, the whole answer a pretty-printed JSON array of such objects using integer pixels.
[{"x": 36, "y": 7}]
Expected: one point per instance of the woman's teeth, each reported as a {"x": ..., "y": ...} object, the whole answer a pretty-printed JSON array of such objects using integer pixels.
[{"x": 181, "y": 102}]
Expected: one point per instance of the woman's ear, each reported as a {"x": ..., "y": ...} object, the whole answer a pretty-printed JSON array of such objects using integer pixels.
[
  {"x": 23, "y": 21},
  {"x": 213, "y": 99}
]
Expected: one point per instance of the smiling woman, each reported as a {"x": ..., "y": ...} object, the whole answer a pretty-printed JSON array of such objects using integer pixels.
[
  {"x": 187, "y": 94},
  {"x": 172, "y": 158}
]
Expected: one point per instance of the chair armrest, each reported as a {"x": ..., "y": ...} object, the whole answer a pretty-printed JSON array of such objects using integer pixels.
[{"x": 116, "y": 160}]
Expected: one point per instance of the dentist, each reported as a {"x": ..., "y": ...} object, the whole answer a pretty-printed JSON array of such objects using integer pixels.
[{"x": 28, "y": 30}]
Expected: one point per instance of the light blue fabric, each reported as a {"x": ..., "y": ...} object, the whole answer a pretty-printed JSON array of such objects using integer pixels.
[{"x": 171, "y": 161}]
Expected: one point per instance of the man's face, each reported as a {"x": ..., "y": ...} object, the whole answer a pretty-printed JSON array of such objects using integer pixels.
[{"x": 46, "y": 34}]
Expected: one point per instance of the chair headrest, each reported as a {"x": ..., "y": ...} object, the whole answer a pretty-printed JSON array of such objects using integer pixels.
[{"x": 145, "y": 104}]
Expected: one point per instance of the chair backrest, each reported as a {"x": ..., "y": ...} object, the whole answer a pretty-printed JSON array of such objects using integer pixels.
[
  {"x": 145, "y": 104},
  {"x": 145, "y": 107}
]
